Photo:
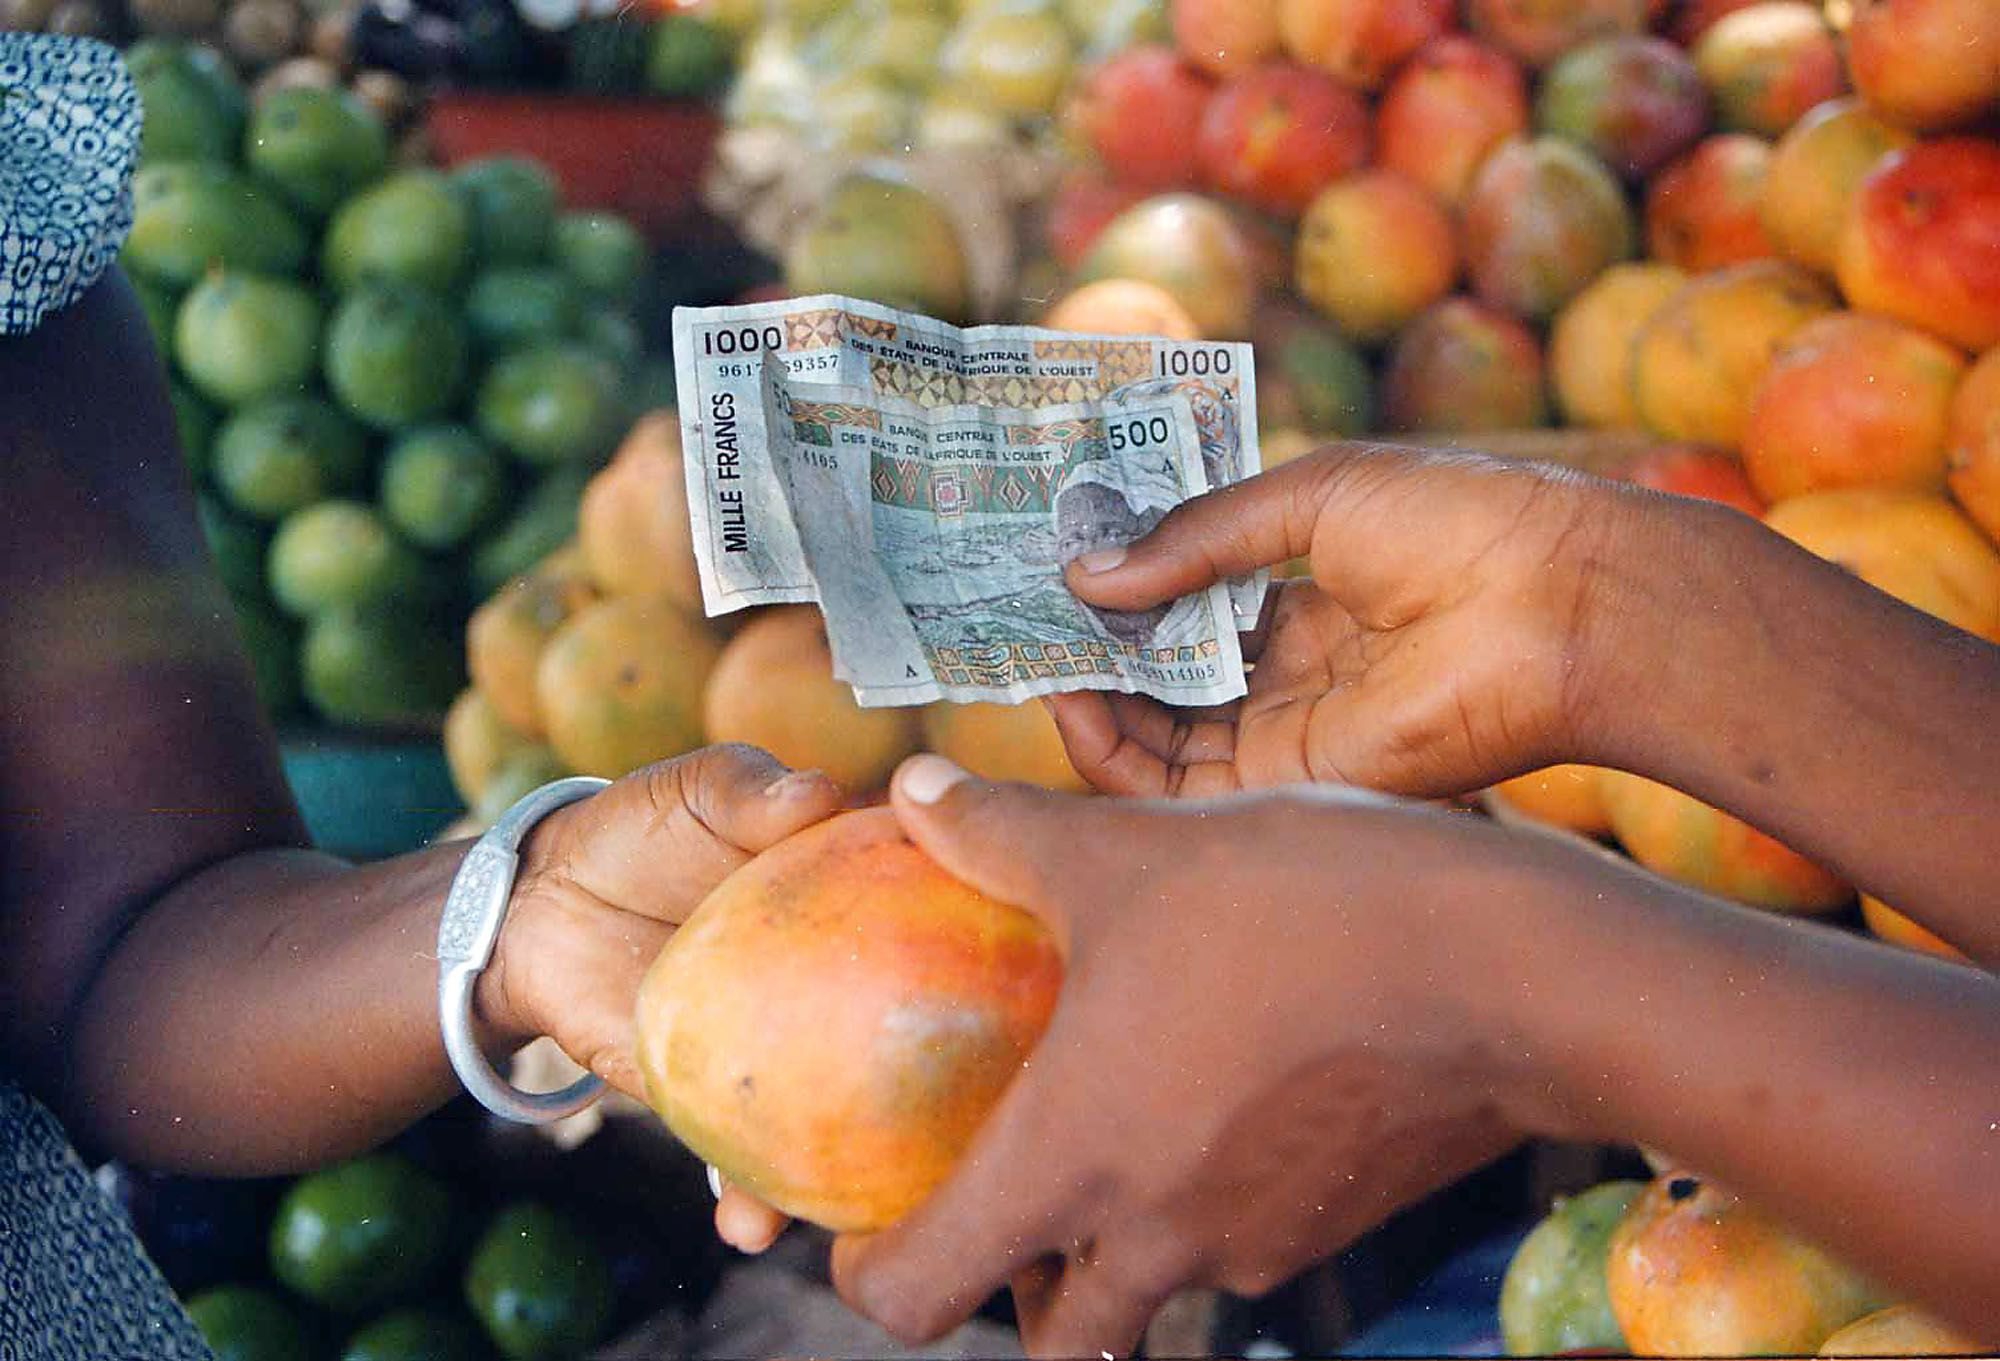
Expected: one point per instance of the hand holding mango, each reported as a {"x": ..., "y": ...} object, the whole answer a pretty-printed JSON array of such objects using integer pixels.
[{"x": 832, "y": 1024}]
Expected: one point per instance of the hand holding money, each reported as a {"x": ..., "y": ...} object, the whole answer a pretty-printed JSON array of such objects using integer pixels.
[{"x": 926, "y": 485}]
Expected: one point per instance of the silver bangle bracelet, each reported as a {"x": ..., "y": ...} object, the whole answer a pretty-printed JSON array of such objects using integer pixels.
[{"x": 474, "y": 911}]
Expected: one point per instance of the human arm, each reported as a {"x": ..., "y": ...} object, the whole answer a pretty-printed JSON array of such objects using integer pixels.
[
  {"x": 1287, "y": 1015},
  {"x": 183, "y": 980},
  {"x": 1469, "y": 620}
]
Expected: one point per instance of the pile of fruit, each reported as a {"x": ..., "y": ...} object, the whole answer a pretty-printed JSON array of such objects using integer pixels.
[
  {"x": 598, "y": 661},
  {"x": 391, "y": 384},
  {"x": 892, "y": 75},
  {"x": 397, "y": 1255},
  {"x": 1682, "y": 1267},
  {"x": 1460, "y": 216}
]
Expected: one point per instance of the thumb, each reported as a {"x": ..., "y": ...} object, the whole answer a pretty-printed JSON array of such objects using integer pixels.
[
  {"x": 1256, "y": 523},
  {"x": 1012, "y": 842}
]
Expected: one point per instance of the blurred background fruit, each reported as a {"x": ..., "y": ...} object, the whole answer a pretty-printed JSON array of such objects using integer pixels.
[
  {"x": 1697, "y": 362},
  {"x": 1565, "y": 796},
  {"x": 1633, "y": 102},
  {"x": 390, "y": 382},
  {"x": 1553, "y": 1298},
  {"x": 1899, "y": 1330},
  {"x": 1446, "y": 110},
  {"x": 1683, "y": 839},
  {"x": 1590, "y": 345},
  {"x": 1374, "y": 250},
  {"x": 890, "y": 242},
  {"x": 773, "y": 687},
  {"x": 539, "y": 1284},
  {"x": 363, "y": 1234},
  {"x": 1704, "y": 210},
  {"x": 241, "y": 1323},
  {"x": 1360, "y": 42},
  {"x": 1542, "y": 219},
  {"x": 1462, "y": 366}
]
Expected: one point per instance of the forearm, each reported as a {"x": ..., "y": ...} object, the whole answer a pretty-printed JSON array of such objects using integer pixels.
[
  {"x": 1857, "y": 730},
  {"x": 1849, "y": 1089},
  {"x": 271, "y": 1013}
]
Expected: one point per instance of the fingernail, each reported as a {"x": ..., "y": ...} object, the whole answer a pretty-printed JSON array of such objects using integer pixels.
[
  {"x": 928, "y": 778},
  {"x": 1100, "y": 560},
  {"x": 793, "y": 782}
]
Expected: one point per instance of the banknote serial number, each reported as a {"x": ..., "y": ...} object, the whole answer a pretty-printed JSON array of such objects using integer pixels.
[
  {"x": 1139, "y": 433},
  {"x": 1185, "y": 673},
  {"x": 797, "y": 364},
  {"x": 1196, "y": 363}
]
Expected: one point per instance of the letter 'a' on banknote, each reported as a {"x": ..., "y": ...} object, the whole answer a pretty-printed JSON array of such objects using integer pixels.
[
  {"x": 936, "y": 538},
  {"x": 747, "y": 548}
]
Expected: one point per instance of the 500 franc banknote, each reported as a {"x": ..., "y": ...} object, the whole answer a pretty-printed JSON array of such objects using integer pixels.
[
  {"x": 748, "y": 551},
  {"x": 935, "y": 539}
]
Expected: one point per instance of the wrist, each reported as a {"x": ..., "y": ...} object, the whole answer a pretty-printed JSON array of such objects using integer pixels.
[
  {"x": 1518, "y": 951},
  {"x": 504, "y": 997},
  {"x": 1650, "y": 641}
]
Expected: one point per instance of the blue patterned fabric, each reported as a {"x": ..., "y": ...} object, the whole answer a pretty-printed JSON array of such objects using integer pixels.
[
  {"x": 74, "y": 1283},
  {"x": 69, "y": 137}
]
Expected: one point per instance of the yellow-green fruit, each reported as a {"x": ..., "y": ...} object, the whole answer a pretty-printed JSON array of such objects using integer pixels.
[
  {"x": 1191, "y": 247},
  {"x": 888, "y": 242},
  {"x": 476, "y": 743},
  {"x": 620, "y": 685},
  {"x": 1552, "y": 1298},
  {"x": 860, "y": 112},
  {"x": 1019, "y": 58}
]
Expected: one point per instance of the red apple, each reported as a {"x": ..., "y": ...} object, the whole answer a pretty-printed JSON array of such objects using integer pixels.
[
  {"x": 1702, "y": 213},
  {"x": 1697, "y": 470},
  {"x": 1274, "y": 137},
  {"x": 1922, "y": 240},
  {"x": 1446, "y": 110},
  {"x": 1927, "y": 64},
  {"x": 1141, "y": 112}
]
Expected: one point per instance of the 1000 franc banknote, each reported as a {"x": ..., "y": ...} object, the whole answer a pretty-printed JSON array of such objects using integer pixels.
[
  {"x": 746, "y": 548},
  {"x": 935, "y": 539}
]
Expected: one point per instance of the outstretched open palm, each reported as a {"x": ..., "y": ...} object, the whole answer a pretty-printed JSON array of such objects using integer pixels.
[{"x": 1434, "y": 650}]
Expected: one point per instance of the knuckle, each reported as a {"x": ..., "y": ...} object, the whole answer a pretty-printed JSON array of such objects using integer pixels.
[
  {"x": 734, "y": 758},
  {"x": 662, "y": 784},
  {"x": 697, "y": 788}
]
